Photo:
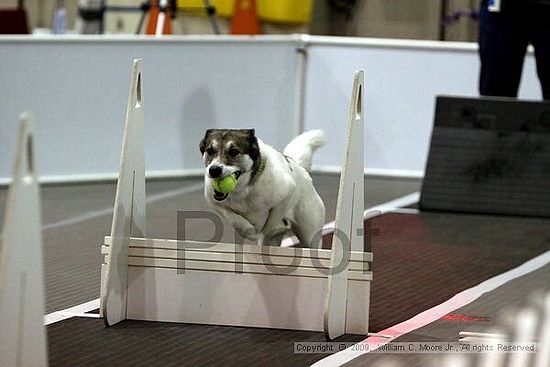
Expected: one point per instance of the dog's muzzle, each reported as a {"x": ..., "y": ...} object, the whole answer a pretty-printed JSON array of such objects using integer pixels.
[{"x": 220, "y": 196}]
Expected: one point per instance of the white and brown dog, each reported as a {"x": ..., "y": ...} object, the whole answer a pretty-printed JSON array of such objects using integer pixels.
[{"x": 274, "y": 190}]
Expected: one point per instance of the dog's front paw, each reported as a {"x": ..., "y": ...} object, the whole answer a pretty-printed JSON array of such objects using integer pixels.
[
  {"x": 246, "y": 231},
  {"x": 277, "y": 230},
  {"x": 286, "y": 224}
]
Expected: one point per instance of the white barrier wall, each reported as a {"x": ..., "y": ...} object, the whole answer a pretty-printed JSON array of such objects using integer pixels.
[
  {"x": 402, "y": 79},
  {"x": 77, "y": 88}
]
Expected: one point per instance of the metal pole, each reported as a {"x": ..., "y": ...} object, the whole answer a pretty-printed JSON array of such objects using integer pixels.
[
  {"x": 442, "y": 25},
  {"x": 299, "y": 87},
  {"x": 211, "y": 11}
]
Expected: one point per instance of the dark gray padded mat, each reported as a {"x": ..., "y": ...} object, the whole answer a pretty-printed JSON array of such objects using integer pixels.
[
  {"x": 489, "y": 155},
  {"x": 87, "y": 342},
  {"x": 481, "y": 314},
  {"x": 420, "y": 261}
]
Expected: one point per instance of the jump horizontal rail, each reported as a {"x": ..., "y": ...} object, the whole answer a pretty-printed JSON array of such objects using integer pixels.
[
  {"x": 147, "y": 262},
  {"x": 226, "y": 257},
  {"x": 245, "y": 249}
]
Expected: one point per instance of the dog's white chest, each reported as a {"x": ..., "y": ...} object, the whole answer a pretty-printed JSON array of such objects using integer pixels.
[{"x": 254, "y": 208}]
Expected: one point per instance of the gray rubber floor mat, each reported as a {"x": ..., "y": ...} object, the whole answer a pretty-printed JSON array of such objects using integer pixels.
[{"x": 87, "y": 342}]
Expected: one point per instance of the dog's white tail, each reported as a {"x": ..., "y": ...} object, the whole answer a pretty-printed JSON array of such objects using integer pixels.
[{"x": 302, "y": 147}]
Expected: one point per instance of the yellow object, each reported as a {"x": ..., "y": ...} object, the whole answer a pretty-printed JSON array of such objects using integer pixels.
[
  {"x": 225, "y": 185},
  {"x": 277, "y": 11},
  {"x": 285, "y": 11},
  {"x": 224, "y": 8}
]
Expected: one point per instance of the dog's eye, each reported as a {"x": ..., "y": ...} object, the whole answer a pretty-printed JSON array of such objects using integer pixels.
[
  {"x": 233, "y": 152},
  {"x": 210, "y": 151}
]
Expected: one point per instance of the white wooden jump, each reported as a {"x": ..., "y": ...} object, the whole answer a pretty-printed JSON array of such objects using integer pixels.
[
  {"x": 230, "y": 284},
  {"x": 22, "y": 332}
]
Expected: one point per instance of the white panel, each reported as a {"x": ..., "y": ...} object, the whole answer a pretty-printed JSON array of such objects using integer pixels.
[
  {"x": 196, "y": 83},
  {"x": 401, "y": 85},
  {"x": 358, "y": 310},
  {"x": 22, "y": 331},
  {"x": 287, "y": 302},
  {"x": 79, "y": 97},
  {"x": 226, "y": 298}
]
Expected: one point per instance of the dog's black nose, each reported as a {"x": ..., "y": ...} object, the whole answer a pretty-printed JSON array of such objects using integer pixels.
[{"x": 215, "y": 171}]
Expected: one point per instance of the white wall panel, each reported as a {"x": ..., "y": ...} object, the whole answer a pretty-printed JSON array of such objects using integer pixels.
[
  {"x": 402, "y": 79},
  {"x": 78, "y": 87}
]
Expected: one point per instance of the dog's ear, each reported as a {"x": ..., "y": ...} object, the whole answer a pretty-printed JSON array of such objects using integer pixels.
[
  {"x": 249, "y": 132},
  {"x": 253, "y": 147},
  {"x": 202, "y": 145}
]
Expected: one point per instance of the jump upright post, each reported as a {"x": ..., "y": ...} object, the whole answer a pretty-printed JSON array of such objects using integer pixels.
[{"x": 22, "y": 331}]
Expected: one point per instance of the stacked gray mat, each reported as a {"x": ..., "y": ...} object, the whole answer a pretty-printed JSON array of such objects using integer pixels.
[{"x": 489, "y": 155}]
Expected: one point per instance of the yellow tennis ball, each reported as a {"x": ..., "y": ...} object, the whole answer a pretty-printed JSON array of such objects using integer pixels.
[{"x": 225, "y": 185}]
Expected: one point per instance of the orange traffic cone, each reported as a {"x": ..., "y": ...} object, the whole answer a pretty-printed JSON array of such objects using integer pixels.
[
  {"x": 245, "y": 20},
  {"x": 154, "y": 13}
]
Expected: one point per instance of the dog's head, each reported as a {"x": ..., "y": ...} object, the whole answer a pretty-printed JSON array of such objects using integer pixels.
[{"x": 227, "y": 151}]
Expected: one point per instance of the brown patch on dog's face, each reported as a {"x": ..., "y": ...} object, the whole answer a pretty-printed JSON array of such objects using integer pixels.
[{"x": 229, "y": 145}]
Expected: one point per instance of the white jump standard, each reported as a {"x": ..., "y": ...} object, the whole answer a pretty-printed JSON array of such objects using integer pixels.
[
  {"x": 22, "y": 331},
  {"x": 232, "y": 284}
]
